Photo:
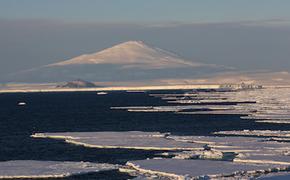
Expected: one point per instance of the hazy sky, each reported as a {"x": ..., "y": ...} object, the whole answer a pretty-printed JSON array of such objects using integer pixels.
[
  {"x": 146, "y": 10},
  {"x": 247, "y": 34}
]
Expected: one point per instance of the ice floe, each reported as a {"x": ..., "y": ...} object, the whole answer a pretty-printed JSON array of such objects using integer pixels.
[
  {"x": 265, "y": 133},
  {"x": 194, "y": 169},
  {"x": 21, "y": 169},
  {"x": 102, "y": 93},
  {"x": 268, "y": 105},
  {"x": 274, "y": 121},
  {"x": 237, "y": 155},
  {"x": 128, "y": 140},
  {"x": 275, "y": 176},
  {"x": 181, "y": 109},
  {"x": 22, "y": 104}
]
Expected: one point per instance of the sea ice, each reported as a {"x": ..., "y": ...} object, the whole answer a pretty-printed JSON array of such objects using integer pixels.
[
  {"x": 268, "y": 105},
  {"x": 238, "y": 156},
  {"x": 274, "y": 121},
  {"x": 206, "y": 108},
  {"x": 181, "y": 169},
  {"x": 128, "y": 140},
  {"x": 263, "y": 133},
  {"x": 46, "y": 169},
  {"x": 21, "y": 103},
  {"x": 102, "y": 93}
]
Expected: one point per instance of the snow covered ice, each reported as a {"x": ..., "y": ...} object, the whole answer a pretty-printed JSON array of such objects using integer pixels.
[
  {"x": 48, "y": 169},
  {"x": 264, "y": 133},
  {"x": 237, "y": 155},
  {"x": 180, "y": 169},
  {"x": 127, "y": 140},
  {"x": 268, "y": 105}
]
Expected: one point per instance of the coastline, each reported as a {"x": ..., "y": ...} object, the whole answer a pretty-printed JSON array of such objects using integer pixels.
[
  {"x": 117, "y": 88},
  {"x": 52, "y": 88}
]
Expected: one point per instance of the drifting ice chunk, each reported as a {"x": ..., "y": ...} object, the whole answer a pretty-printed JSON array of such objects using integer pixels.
[
  {"x": 242, "y": 149},
  {"x": 253, "y": 152},
  {"x": 206, "y": 154},
  {"x": 21, "y": 103},
  {"x": 102, "y": 93},
  {"x": 127, "y": 140},
  {"x": 274, "y": 121},
  {"x": 276, "y": 176},
  {"x": 270, "y": 104},
  {"x": 181, "y": 169},
  {"x": 265, "y": 133},
  {"x": 46, "y": 169},
  {"x": 206, "y": 108}
]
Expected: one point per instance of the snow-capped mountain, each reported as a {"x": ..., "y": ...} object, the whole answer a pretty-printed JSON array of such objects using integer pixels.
[
  {"x": 131, "y": 54},
  {"x": 128, "y": 61}
]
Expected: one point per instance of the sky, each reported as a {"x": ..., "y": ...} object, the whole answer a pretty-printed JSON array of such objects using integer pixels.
[
  {"x": 190, "y": 11},
  {"x": 246, "y": 34}
]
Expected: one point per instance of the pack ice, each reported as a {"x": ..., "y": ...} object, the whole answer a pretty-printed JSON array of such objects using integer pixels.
[{"x": 190, "y": 156}]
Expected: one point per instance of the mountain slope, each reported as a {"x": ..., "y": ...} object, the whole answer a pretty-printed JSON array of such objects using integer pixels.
[
  {"x": 132, "y": 54},
  {"x": 128, "y": 61}
]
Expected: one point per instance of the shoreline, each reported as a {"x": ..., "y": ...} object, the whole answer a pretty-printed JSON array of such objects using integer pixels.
[
  {"x": 32, "y": 89},
  {"x": 117, "y": 88}
]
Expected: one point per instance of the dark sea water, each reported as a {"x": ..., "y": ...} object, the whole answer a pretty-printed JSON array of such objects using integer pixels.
[{"x": 87, "y": 111}]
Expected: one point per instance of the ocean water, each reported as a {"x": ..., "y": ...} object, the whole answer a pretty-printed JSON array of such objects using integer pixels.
[{"x": 89, "y": 112}]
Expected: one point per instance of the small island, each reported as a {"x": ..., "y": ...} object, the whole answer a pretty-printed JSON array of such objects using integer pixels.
[{"x": 79, "y": 83}]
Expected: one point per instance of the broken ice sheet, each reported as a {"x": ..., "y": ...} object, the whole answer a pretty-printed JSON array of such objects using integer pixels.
[
  {"x": 206, "y": 108},
  {"x": 271, "y": 104},
  {"x": 46, "y": 169},
  {"x": 274, "y": 121},
  {"x": 128, "y": 140},
  {"x": 247, "y": 149},
  {"x": 179, "y": 169},
  {"x": 262, "y": 133},
  {"x": 245, "y": 152}
]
